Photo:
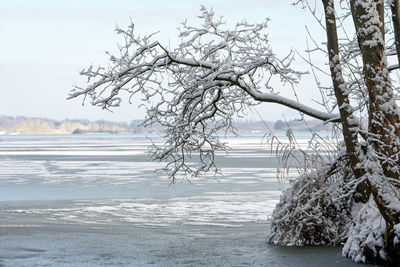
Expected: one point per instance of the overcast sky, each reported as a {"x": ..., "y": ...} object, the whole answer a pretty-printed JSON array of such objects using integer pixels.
[{"x": 44, "y": 43}]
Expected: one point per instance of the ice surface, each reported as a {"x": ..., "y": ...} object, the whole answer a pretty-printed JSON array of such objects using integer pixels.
[{"x": 97, "y": 201}]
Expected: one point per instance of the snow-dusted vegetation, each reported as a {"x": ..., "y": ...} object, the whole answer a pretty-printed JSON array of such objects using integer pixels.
[
  {"x": 313, "y": 211},
  {"x": 195, "y": 90}
]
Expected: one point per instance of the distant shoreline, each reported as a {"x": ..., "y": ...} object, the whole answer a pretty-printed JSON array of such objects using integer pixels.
[{"x": 29, "y": 126}]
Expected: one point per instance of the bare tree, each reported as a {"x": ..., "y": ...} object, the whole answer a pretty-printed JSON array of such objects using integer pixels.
[{"x": 196, "y": 89}]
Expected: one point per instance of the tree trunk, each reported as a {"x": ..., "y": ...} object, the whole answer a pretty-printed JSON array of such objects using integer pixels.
[
  {"x": 383, "y": 126},
  {"x": 383, "y": 118},
  {"x": 348, "y": 120}
]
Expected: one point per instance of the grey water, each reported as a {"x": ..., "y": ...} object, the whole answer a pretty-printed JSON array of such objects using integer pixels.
[{"x": 97, "y": 200}]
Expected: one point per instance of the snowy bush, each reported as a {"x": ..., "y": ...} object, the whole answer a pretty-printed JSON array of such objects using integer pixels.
[
  {"x": 320, "y": 211},
  {"x": 366, "y": 242},
  {"x": 310, "y": 212}
]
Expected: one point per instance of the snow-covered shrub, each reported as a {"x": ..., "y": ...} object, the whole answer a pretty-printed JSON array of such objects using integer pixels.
[
  {"x": 320, "y": 211},
  {"x": 366, "y": 236},
  {"x": 311, "y": 212}
]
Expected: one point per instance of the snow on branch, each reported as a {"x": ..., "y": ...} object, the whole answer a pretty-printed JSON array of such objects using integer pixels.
[{"x": 195, "y": 90}]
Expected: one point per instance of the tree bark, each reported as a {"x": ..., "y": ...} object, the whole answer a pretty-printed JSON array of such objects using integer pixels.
[
  {"x": 383, "y": 117},
  {"x": 348, "y": 120},
  {"x": 383, "y": 126}
]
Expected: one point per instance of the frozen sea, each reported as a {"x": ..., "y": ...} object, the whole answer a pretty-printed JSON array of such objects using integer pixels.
[{"x": 96, "y": 200}]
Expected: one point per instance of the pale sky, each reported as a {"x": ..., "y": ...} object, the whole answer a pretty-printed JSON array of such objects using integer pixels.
[{"x": 44, "y": 44}]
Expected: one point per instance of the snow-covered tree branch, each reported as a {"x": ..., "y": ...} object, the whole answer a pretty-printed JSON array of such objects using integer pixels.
[
  {"x": 210, "y": 55},
  {"x": 212, "y": 76}
]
